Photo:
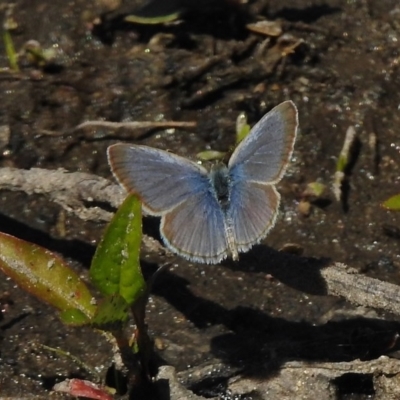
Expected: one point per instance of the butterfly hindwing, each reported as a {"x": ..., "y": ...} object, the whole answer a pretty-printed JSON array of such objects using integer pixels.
[
  {"x": 195, "y": 229},
  {"x": 253, "y": 209}
]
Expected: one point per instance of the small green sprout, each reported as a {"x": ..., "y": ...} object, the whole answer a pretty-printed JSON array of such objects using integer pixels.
[
  {"x": 392, "y": 203},
  {"x": 10, "y": 51},
  {"x": 242, "y": 130},
  {"x": 162, "y": 19},
  {"x": 314, "y": 190},
  {"x": 242, "y": 127},
  {"x": 116, "y": 273},
  {"x": 38, "y": 55},
  {"x": 9, "y": 24},
  {"x": 156, "y": 12},
  {"x": 343, "y": 162},
  {"x": 210, "y": 155}
]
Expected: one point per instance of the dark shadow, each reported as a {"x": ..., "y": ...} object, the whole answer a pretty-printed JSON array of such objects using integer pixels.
[
  {"x": 353, "y": 155},
  {"x": 322, "y": 202},
  {"x": 151, "y": 227},
  {"x": 307, "y": 15},
  {"x": 211, "y": 387},
  {"x": 218, "y": 18},
  {"x": 198, "y": 310},
  {"x": 116, "y": 379},
  {"x": 163, "y": 389},
  {"x": 300, "y": 273},
  {"x": 347, "y": 382},
  {"x": 75, "y": 249},
  {"x": 53, "y": 68},
  {"x": 14, "y": 321},
  {"x": 257, "y": 343},
  {"x": 391, "y": 231}
]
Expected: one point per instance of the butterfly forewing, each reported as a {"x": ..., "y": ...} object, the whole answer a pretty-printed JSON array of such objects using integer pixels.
[
  {"x": 195, "y": 229},
  {"x": 253, "y": 209},
  {"x": 161, "y": 180},
  {"x": 265, "y": 152}
]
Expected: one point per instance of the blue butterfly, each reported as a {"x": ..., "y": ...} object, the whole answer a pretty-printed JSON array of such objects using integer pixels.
[{"x": 208, "y": 216}]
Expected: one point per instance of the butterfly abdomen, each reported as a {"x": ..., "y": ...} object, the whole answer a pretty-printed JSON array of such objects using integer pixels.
[{"x": 221, "y": 182}]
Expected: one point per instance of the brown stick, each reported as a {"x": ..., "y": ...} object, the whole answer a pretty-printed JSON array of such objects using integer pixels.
[{"x": 136, "y": 124}]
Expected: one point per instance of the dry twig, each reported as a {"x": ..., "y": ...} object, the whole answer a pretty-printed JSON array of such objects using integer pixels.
[
  {"x": 112, "y": 126},
  {"x": 85, "y": 195},
  {"x": 135, "y": 124}
]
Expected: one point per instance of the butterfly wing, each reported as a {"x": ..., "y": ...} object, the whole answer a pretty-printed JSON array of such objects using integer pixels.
[
  {"x": 264, "y": 153},
  {"x": 160, "y": 179},
  {"x": 256, "y": 165},
  {"x": 179, "y": 191},
  {"x": 253, "y": 209},
  {"x": 195, "y": 229}
]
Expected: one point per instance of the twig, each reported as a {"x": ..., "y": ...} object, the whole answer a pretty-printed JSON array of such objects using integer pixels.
[
  {"x": 75, "y": 359},
  {"x": 76, "y": 192},
  {"x": 361, "y": 290},
  {"x": 85, "y": 195},
  {"x": 136, "y": 124},
  {"x": 321, "y": 377},
  {"x": 343, "y": 162},
  {"x": 321, "y": 277}
]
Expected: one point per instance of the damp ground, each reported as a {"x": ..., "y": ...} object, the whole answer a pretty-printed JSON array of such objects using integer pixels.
[{"x": 337, "y": 60}]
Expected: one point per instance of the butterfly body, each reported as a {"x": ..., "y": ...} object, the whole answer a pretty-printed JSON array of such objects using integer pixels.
[
  {"x": 220, "y": 181},
  {"x": 206, "y": 216}
]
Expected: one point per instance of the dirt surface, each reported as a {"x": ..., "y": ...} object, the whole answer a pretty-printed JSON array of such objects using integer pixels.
[{"x": 337, "y": 60}]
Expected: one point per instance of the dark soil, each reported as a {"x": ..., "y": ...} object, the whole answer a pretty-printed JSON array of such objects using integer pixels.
[{"x": 343, "y": 70}]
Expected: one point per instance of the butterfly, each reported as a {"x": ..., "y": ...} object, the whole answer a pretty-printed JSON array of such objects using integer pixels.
[{"x": 207, "y": 216}]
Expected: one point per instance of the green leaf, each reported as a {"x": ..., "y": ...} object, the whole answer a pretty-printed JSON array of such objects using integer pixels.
[
  {"x": 242, "y": 127},
  {"x": 10, "y": 50},
  {"x": 315, "y": 189},
  {"x": 156, "y": 12},
  {"x": 346, "y": 152},
  {"x": 161, "y": 19},
  {"x": 210, "y": 155},
  {"x": 45, "y": 275},
  {"x": 116, "y": 266},
  {"x": 392, "y": 203},
  {"x": 341, "y": 163},
  {"x": 111, "y": 314},
  {"x": 74, "y": 317}
]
